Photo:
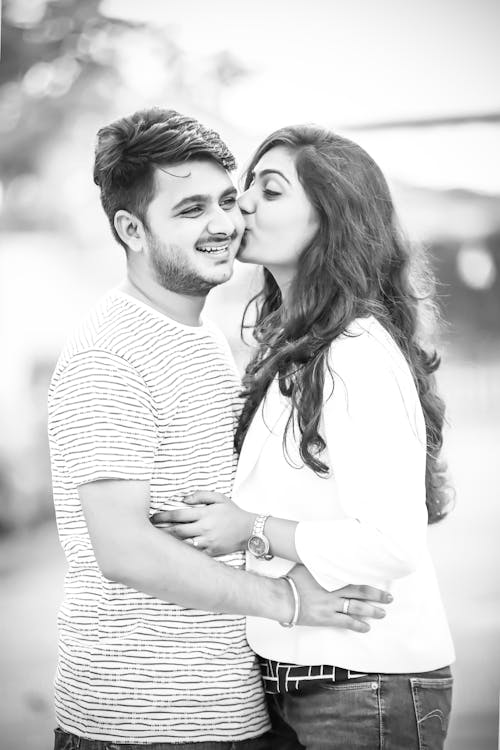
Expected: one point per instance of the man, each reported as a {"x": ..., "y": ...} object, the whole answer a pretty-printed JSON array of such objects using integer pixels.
[{"x": 142, "y": 410}]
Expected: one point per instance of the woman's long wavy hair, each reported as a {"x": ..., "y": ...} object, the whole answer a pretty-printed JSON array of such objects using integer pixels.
[{"x": 356, "y": 265}]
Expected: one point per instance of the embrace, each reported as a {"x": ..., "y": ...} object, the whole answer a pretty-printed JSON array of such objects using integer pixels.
[{"x": 247, "y": 564}]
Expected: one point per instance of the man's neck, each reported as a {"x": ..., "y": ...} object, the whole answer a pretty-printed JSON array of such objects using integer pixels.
[{"x": 180, "y": 307}]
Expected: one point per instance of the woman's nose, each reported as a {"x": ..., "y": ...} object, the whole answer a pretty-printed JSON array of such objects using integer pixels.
[{"x": 246, "y": 202}]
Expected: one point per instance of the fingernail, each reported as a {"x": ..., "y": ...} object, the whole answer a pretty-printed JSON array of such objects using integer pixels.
[
  {"x": 389, "y": 598},
  {"x": 382, "y": 613}
]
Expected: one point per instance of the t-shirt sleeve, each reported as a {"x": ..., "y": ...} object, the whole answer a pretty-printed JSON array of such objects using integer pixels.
[{"x": 101, "y": 416}]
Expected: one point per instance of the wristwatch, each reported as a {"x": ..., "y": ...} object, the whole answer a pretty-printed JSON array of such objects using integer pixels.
[{"x": 258, "y": 544}]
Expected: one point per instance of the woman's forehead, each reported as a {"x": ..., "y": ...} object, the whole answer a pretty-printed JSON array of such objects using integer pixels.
[{"x": 278, "y": 159}]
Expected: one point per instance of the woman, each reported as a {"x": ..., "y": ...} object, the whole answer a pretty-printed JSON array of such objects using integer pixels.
[{"x": 339, "y": 443}]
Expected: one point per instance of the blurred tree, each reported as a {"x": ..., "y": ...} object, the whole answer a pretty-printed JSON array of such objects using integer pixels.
[
  {"x": 67, "y": 66},
  {"x": 227, "y": 69},
  {"x": 58, "y": 56},
  {"x": 65, "y": 57}
]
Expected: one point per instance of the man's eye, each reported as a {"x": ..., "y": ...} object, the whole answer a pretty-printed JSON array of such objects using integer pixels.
[
  {"x": 229, "y": 203},
  {"x": 192, "y": 211}
]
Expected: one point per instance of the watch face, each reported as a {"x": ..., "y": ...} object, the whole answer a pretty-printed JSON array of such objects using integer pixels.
[{"x": 257, "y": 546}]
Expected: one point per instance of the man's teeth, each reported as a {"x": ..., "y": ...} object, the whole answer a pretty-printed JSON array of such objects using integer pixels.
[{"x": 213, "y": 249}]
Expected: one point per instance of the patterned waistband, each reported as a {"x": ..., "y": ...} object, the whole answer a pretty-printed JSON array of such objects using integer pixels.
[{"x": 280, "y": 677}]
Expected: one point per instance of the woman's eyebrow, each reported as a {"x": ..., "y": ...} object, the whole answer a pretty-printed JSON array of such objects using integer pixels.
[{"x": 274, "y": 171}]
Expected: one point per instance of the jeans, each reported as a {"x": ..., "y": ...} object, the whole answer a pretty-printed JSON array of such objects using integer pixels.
[
  {"x": 66, "y": 741},
  {"x": 373, "y": 712}
]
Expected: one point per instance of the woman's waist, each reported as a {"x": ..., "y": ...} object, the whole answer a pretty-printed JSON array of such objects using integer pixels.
[
  {"x": 413, "y": 636},
  {"x": 282, "y": 677},
  {"x": 386, "y": 648}
]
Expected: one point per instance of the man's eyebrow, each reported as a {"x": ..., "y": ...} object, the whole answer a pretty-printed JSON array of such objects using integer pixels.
[
  {"x": 274, "y": 171},
  {"x": 202, "y": 198},
  {"x": 199, "y": 198}
]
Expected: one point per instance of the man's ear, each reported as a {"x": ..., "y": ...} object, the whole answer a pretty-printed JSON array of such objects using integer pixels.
[{"x": 130, "y": 230}]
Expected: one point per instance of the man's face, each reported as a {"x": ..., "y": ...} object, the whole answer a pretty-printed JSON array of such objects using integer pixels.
[{"x": 194, "y": 227}]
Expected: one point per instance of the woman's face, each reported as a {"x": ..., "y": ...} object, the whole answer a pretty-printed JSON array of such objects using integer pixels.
[{"x": 280, "y": 221}]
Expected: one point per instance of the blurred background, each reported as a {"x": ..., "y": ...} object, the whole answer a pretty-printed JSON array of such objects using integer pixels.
[{"x": 416, "y": 83}]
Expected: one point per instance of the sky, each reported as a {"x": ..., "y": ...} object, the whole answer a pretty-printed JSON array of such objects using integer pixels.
[
  {"x": 347, "y": 61},
  {"x": 344, "y": 63}
]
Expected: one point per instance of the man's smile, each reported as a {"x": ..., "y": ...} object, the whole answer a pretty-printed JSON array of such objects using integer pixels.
[{"x": 214, "y": 249}]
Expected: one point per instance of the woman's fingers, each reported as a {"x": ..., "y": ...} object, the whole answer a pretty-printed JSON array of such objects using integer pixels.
[
  {"x": 180, "y": 533},
  {"x": 185, "y": 530},
  {"x": 188, "y": 514},
  {"x": 365, "y": 593},
  {"x": 198, "y": 542},
  {"x": 173, "y": 530},
  {"x": 182, "y": 530},
  {"x": 176, "y": 515},
  {"x": 200, "y": 497},
  {"x": 201, "y": 543},
  {"x": 356, "y": 608},
  {"x": 351, "y": 623},
  {"x": 166, "y": 527}
]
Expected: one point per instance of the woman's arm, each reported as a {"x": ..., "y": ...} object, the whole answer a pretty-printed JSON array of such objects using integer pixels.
[
  {"x": 375, "y": 436},
  {"x": 219, "y": 526},
  {"x": 129, "y": 550},
  {"x": 375, "y": 433}
]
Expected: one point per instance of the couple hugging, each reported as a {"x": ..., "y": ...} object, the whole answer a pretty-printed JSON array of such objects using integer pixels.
[{"x": 229, "y": 546}]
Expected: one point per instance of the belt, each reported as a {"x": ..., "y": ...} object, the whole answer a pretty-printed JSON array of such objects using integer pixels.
[{"x": 281, "y": 677}]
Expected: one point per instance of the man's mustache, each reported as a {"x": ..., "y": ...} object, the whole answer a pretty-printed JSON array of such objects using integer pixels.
[{"x": 221, "y": 237}]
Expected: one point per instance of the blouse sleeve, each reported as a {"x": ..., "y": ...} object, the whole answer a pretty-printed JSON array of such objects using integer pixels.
[{"x": 375, "y": 435}]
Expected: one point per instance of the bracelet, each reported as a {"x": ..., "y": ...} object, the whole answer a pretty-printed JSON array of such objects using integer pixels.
[{"x": 296, "y": 603}]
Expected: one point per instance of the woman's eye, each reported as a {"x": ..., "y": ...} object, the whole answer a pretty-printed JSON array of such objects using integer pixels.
[{"x": 271, "y": 193}]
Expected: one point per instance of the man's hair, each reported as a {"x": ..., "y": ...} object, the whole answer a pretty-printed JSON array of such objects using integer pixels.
[{"x": 130, "y": 149}]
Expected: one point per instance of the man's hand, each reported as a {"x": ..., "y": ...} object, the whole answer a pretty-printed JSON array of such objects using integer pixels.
[{"x": 321, "y": 608}]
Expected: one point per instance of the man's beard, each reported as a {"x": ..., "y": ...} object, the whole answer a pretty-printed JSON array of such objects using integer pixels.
[{"x": 172, "y": 271}]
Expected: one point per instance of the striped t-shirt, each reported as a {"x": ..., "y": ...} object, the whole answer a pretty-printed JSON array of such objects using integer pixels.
[{"x": 136, "y": 395}]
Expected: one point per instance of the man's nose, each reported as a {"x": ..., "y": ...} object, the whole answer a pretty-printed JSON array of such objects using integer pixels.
[{"x": 221, "y": 223}]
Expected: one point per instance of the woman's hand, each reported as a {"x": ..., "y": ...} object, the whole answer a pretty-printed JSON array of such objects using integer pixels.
[{"x": 210, "y": 521}]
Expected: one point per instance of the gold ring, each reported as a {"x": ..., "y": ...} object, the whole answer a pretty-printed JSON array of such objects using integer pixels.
[{"x": 345, "y": 606}]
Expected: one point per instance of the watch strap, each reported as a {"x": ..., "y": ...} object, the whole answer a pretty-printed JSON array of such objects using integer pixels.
[{"x": 259, "y": 523}]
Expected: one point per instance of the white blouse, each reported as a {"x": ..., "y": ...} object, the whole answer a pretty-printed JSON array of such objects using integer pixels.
[{"x": 365, "y": 523}]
